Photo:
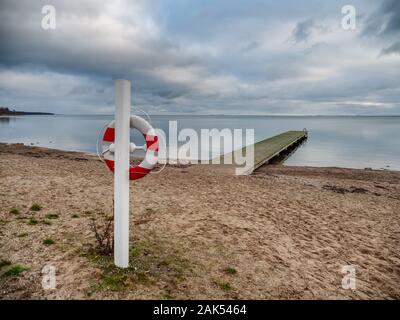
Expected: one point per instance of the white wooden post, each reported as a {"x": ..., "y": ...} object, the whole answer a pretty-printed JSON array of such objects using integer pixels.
[{"x": 121, "y": 175}]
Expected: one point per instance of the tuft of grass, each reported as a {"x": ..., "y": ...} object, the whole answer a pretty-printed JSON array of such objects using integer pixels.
[
  {"x": 136, "y": 250},
  {"x": 75, "y": 216},
  {"x": 4, "y": 263},
  {"x": 114, "y": 281},
  {"x": 46, "y": 222},
  {"x": 143, "y": 277},
  {"x": 22, "y": 235},
  {"x": 48, "y": 242},
  {"x": 152, "y": 261},
  {"x": 51, "y": 216},
  {"x": 21, "y": 217},
  {"x": 167, "y": 296},
  {"x": 32, "y": 221},
  {"x": 15, "y": 270},
  {"x": 225, "y": 286},
  {"x": 35, "y": 207},
  {"x": 230, "y": 270},
  {"x": 14, "y": 211}
]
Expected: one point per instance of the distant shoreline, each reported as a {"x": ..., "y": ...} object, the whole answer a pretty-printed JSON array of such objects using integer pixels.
[
  {"x": 22, "y": 113},
  {"x": 8, "y": 112}
]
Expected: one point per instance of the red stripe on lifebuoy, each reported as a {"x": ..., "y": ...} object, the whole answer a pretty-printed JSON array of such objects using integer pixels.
[
  {"x": 110, "y": 164},
  {"x": 151, "y": 142},
  {"x": 137, "y": 172},
  {"x": 109, "y": 135}
]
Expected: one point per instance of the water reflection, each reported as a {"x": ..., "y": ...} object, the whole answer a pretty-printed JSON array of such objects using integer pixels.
[
  {"x": 356, "y": 142},
  {"x": 5, "y": 121}
]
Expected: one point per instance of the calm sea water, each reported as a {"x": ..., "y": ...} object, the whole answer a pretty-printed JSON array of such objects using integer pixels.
[{"x": 353, "y": 142}]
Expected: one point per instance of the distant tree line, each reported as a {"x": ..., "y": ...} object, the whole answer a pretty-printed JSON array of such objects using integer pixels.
[{"x": 7, "y": 112}]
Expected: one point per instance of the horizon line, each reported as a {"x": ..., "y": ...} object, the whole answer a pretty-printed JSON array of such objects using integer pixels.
[{"x": 234, "y": 115}]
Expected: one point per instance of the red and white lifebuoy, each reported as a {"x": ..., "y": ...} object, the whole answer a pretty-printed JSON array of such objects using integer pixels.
[{"x": 150, "y": 160}]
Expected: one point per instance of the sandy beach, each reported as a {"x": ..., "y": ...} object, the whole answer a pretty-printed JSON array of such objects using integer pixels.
[{"x": 198, "y": 233}]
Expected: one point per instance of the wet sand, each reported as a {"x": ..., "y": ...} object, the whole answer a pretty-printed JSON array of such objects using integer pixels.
[{"x": 197, "y": 233}]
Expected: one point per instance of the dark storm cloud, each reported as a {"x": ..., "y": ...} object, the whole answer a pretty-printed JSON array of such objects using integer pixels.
[
  {"x": 384, "y": 24},
  {"x": 391, "y": 8},
  {"x": 394, "y": 48},
  {"x": 199, "y": 56},
  {"x": 385, "y": 21},
  {"x": 78, "y": 47},
  {"x": 303, "y": 30},
  {"x": 253, "y": 45},
  {"x": 169, "y": 94}
]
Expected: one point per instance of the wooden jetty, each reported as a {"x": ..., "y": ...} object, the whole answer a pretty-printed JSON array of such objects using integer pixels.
[{"x": 270, "y": 148}]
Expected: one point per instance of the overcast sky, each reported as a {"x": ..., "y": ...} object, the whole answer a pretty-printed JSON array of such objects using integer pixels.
[{"x": 209, "y": 56}]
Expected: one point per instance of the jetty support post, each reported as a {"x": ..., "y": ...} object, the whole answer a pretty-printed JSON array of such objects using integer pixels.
[{"x": 121, "y": 173}]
